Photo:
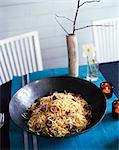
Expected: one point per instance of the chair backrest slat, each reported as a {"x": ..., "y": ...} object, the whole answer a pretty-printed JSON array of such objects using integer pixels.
[
  {"x": 4, "y": 66},
  {"x": 10, "y": 55},
  {"x": 24, "y": 59},
  {"x": 36, "y": 45},
  {"x": 31, "y": 48}
]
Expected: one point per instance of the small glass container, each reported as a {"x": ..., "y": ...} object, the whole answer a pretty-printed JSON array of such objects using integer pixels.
[
  {"x": 92, "y": 71},
  {"x": 115, "y": 109},
  {"x": 107, "y": 89}
]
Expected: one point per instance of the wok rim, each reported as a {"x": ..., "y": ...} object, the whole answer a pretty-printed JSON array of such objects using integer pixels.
[{"x": 77, "y": 133}]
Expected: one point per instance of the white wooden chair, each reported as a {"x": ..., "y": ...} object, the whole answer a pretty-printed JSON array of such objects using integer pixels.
[
  {"x": 19, "y": 56},
  {"x": 106, "y": 40}
]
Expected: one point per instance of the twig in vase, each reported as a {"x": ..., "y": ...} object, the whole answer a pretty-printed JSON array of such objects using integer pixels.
[
  {"x": 63, "y": 17},
  {"x": 62, "y": 26},
  {"x": 98, "y": 25},
  {"x": 89, "y": 2},
  {"x": 75, "y": 18},
  {"x": 77, "y": 10}
]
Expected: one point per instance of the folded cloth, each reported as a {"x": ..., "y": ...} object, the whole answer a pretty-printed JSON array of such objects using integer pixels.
[{"x": 111, "y": 73}]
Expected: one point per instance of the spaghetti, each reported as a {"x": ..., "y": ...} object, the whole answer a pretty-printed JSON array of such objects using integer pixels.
[{"x": 58, "y": 114}]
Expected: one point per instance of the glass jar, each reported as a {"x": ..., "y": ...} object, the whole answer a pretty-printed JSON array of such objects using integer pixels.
[{"x": 92, "y": 69}]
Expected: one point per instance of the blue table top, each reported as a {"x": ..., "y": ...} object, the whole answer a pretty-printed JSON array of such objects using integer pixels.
[{"x": 104, "y": 136}]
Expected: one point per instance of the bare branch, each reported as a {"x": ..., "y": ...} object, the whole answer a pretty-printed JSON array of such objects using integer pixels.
[
  {"x": 77, "y": 10},
  {"x": 99, "y": 25},
  {"x": 63, "y": 17},
  {"x": 75, "y": 18},
  {"x": 61, "y": 26},
  {"x": 89, "y": 2}
]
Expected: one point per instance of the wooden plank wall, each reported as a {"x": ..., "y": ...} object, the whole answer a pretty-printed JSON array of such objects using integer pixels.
[{"x": 20, "y": 16}]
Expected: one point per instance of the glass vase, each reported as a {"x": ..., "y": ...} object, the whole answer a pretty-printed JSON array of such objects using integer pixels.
[{"x": 92, "y": 69}]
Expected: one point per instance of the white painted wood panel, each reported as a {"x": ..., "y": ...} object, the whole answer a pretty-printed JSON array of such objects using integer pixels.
[{"x": 19, "y": 16}]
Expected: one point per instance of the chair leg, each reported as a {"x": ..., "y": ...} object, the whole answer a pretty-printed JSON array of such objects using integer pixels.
[
  {"x": 5, "y": 96},
  {"x": 25, "y": 80}
]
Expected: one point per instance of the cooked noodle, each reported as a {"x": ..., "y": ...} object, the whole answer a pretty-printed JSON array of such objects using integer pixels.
[{"x": 59, "y": 114}]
